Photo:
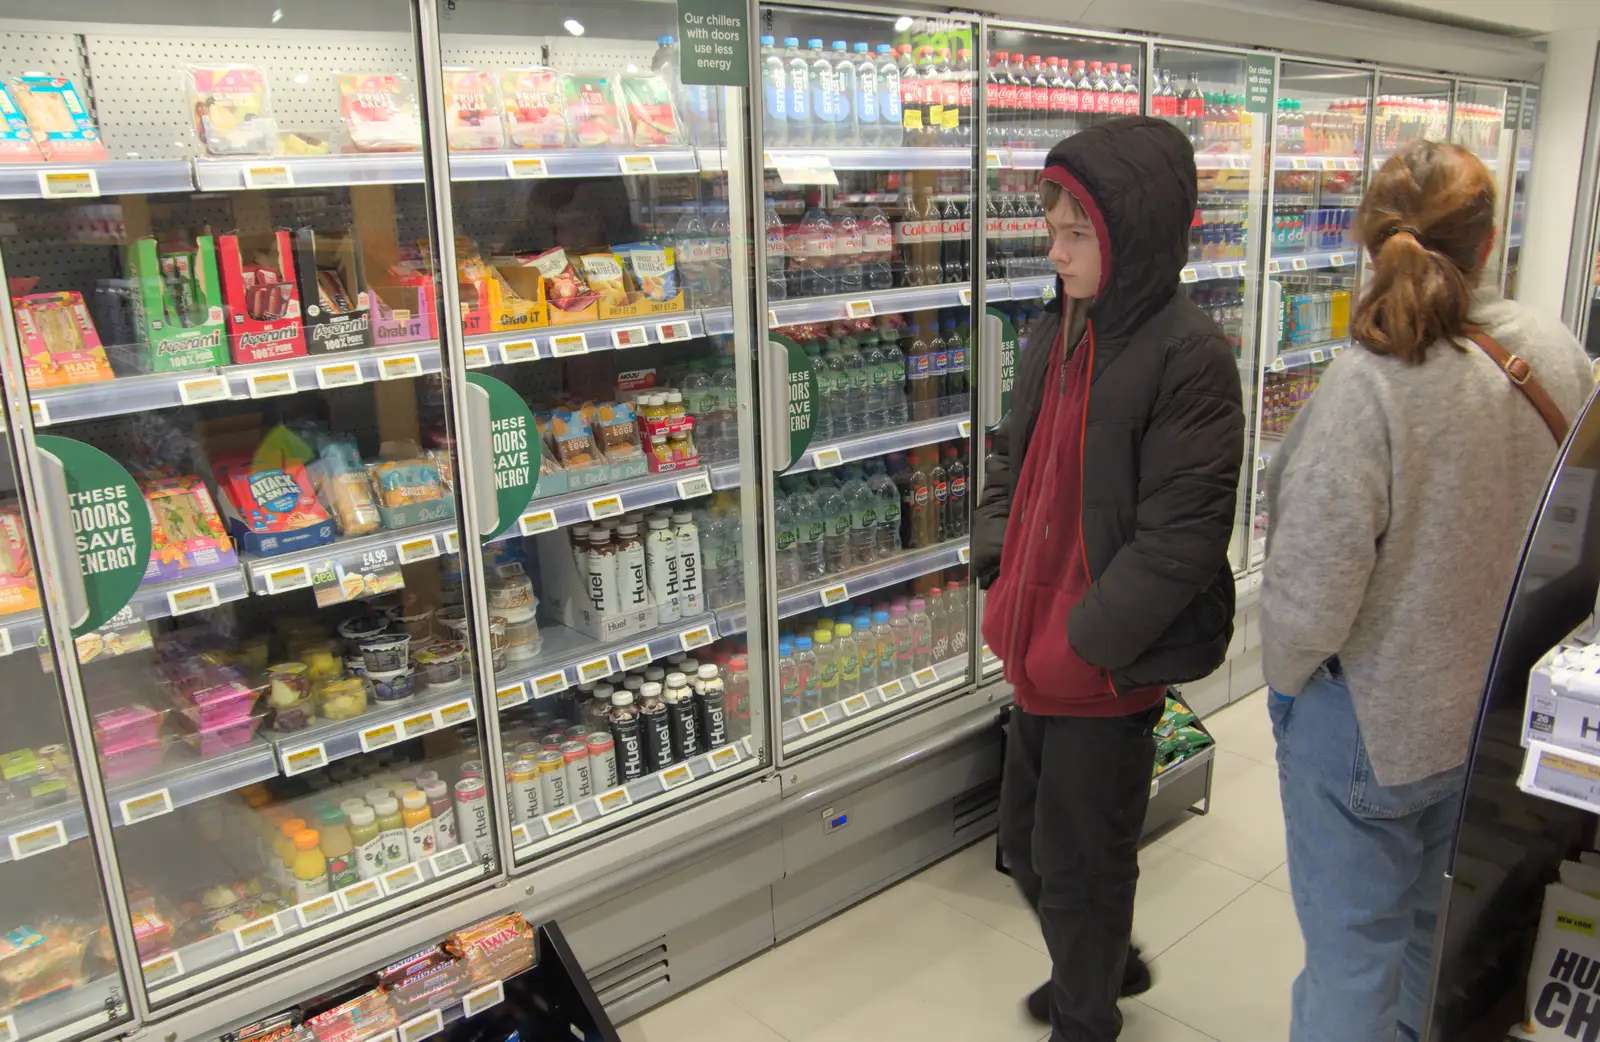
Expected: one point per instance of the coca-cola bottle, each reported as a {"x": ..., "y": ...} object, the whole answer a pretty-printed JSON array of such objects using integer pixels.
[
  {"x": 1019, "y": 91},
  {"x": 912, "y": 113},
  {"x": 1085, "y": 87},
  {"x": 908, "y": 243},
  {"x": 933, "y": 233},
  {"x": 995, "y": 110},
  {"x": 961, "y": 72},
  {"x": 1060, "y": 117},
  {"x": 1130, "y": 92},
  {"x": 993, "y": 269},
  {"x": 949, "y": 100},
  {"x": 1113, "y": 91},
  {"x": 1102, "y": 91},
  {"x": 933, "y": 82},
  {"x": 1039, "y": 91},
  {"x": 954, "y": 260}
]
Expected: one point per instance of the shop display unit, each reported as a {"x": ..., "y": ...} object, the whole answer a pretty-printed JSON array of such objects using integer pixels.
[{"x": 448, "y": 450}]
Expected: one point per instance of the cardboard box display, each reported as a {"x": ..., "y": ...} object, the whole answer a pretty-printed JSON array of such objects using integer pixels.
[
  {"x": 640, "y": 306},
  {"x": 59, "y": 343},
  {"x": 404, "y": 309},
  {"x": 1563, "y": 703},
  {"x": 505, "y": 298},
  {"x": 187, "y": 535},
  {"x": 338, "y": 308},
  {"x": 565, "y": 595},
  {"x": 263, "y": 306},
  {"x": 19, "y": 586},
  {"x": 660, "y": 457},
  {"x": 177, "y": 305}
]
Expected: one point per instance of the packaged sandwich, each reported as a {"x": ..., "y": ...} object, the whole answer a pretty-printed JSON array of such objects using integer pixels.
[
  {"x": 534, "y": 105},
  {"x": 187, "y": 536},
  {"x": 16, "y": 139},
  {"x": 651, "y": 117},
  {"x": 564, "y": 287},
  {"x": 472, "y": 116},
  {"x": 232, "y": 113},
  {"x": 57, "y": 117},
  {"x": 59, "y": 341},
  {"x": 380, "y": 112},
  {"x": 19, "y": 587},
  {"x": 594, "y": 111},
  {"x": 604, "y": 274},
  {"x": 341, "y": 482}
]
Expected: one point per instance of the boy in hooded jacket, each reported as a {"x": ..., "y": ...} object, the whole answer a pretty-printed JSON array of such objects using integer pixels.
[{"x": 1102, "y": 535}]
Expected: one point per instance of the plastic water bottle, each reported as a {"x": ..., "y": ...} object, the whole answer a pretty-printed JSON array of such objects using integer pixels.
[
  {"x": 787, "y": 542},
  {"x": 955, "y": 611},
  {"x": 709, "y": 525},
  {"x": 849, "y": 248},
  {"x": 939, "y": 623},
  {"x": 805, "y": 667},
  {"x": 775, "y": 95},
  {"x": 921, "y": 635},
  {"x": 811, "y": 530},
  {"x": 699, "y": 397},
  {"x": 849, "y": 654},
  {"x": 900, "y": 626},
  {"x": 730, "y": 551},
  {"x": 890, "y": 112},
  {"x": 817, "y": 236},
  {"x": 798, "y": 72},
  {"x": 827, "y": 667},
  {"x": 858, "y": 378},
  {"x": 884, "y": 638},
  {"x": 887, "y": 542},
  {"x": 877, "y": 249},
  {"x": 837, "y": 400},
  {"x": 789, "y": 688},
  {"x": 825, "y": 99},
  {"x": 871, "y": 354},
  {"x": 868, "y": 131},
  {"x": 719, "y": 268},
  {"x": 836, "y": 536},
  {"x": 823, "y": 430},
  {"x": 726, "y": 382},
  {"x": 846, "y": 127},
  {"x": 692, "y": 247},
  {"x": 777, "y": 254},
  {"x": 892, "y": 375},
  {"x": 863, "y": 520},
  {"x": 866, "y": 649}
]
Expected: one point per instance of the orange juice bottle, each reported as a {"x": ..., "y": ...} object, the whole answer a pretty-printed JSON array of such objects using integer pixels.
[
  {"x": 421, "y": 839},
  {"x": 283, "y": 846},
  {"x": 310, "y": 867}
]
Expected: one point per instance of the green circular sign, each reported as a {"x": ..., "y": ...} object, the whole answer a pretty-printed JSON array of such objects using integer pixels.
[
  {"x": 111, "y": 527},
  {"x": 516, "y": 449},
  {"x": 1010, "y": 345},
  {"x": 801, "y": 397}
]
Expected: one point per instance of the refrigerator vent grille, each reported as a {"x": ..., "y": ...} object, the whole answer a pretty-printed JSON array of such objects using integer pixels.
[
  {"x": 629, "y": 977},
  {"x": 975, "y": 809}
]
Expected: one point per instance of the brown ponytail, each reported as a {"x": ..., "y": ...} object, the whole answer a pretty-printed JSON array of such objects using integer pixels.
[{"x": 1424, "y": 221}]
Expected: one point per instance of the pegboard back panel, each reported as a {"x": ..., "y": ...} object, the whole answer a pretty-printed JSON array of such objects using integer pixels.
[{"x": 57, "y": 54}]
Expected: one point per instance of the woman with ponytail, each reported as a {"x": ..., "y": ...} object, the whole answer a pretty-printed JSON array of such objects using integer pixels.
[{"x": 1399, "y": 502}]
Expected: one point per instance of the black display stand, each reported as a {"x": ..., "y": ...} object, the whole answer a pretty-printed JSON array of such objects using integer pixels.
[{"x": 550, "y": 1002}]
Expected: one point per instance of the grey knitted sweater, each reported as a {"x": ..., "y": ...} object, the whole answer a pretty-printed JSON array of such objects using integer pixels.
[{"x": 1399, "y": 503}]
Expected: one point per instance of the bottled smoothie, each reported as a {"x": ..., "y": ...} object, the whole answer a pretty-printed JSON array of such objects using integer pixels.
[
  {"x": 283, "y": 847},
  {"x": 310, "y": 867},
  {"x": 392, "y": 831},
  {"x": 338, "y": 848},
  {"x": 443, "y": 811},
  {"x": 368, "y": 842},
  {"x": 421, "y": 839}
]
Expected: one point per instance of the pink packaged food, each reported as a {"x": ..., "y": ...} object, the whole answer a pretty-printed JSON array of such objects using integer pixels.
[
  {"x": 132, "y": 760},
  {"x": 125, "y": 727},
  {"x": 217, "y": 705},
  {"x": 215, "y": 739}
]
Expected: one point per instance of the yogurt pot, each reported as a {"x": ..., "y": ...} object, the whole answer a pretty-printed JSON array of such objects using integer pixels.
[
  {"x": 499, "y": 646},
  {"x": 385, "y": 653},
  {"x": 441, "y": 664},
  {"x": 450, "y": 623},
  {"x": 393, "y": 686},
  {"x": 510, "y": 592},
  {"x": 414, "y": 621},
  {"x": 359, "y": 628},
  {"x": 522, "y": 639}
]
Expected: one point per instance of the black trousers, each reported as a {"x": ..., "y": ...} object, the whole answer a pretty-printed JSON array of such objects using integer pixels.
[{"x": 1073, "y": 798}]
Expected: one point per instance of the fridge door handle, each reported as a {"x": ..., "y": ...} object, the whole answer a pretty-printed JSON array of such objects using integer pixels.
[
  {"x": 990, "y": 398},
  {"x": 57, "y": 508},
  {"x": 775, "y": 375},
  {"x": 479, "y": 450}
]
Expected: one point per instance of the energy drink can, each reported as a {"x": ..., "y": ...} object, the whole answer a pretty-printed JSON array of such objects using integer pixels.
[
  {"x": 472, "y": 817},
  {"x": 580, "y": 778},
  {"x": 528, "y": 750},
  {"x": 577, "y": 730},
  {"x": 526, "y": 802},
  {"x": 602, "y": 761},
  {"x": 472, "y": 769},
  {"x": 553, "y": 779}
]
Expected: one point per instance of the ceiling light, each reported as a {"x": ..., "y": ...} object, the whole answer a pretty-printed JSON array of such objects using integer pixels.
[
  {"x": 902, "y": 23},
  {"x": 277, "y": 15},
  {"x": 573, "y": 26}
]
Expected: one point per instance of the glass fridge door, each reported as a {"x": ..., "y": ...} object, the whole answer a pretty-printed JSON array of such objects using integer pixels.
[
  {"x": 1408, "y": 108},
  {"x": 63, "y": 978},
  {"x": 1481, "y": 123},
  {"x": 1222, "y": 100},
  {"x": 1313, "y": 261},
  {"x": 224, "y": 290},
  {"x": 1527, "y": 118},
  {"x": 870, "y": 155},
  {"x": 602, "y": 259}
]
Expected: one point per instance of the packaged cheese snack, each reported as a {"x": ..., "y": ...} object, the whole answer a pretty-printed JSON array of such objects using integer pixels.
[
  {"x": 534, "y": 104},
  {"x": 594, "y": 111},
  {"x": 232, "y": 113},
  {"x": 380, "y": 112},
  {"x": 472, "y": 115}
]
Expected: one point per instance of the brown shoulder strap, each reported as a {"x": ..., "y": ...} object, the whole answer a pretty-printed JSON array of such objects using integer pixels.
[{"x": 1521, "y": 376}]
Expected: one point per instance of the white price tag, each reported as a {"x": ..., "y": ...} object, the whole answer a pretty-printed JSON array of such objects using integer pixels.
[
  {"x": 772, "y": 319},
  {"x": 399, "y": 367},
  {"x": 1048, "y": 293},
  {"x": 537, "y": 521},
  {"x": 1336, "y": 260},
  {"x": 667, "y": 332},
  {"x": 1188, "y": 274},
  {"x": 1278, "y": 365},
  {"x": 964, "y": 554},
  {"x": 965, "y": 296},
  {"x": 676, "y": 775},
  {"x": 5, "y": 642},
  {"x": 1226, "y": 271},
  {"x": 834, "y": 595},
  {"x": 726, "y": 756},
  {"x": 991, "y": 160},
  {"x": 306, "y": 758},
  {"x": 1316, "y": 355},
  {"x": 162, "y": 968},
  {"x": 193, "y": 599},
  {"x": 1338, "y": 349},
  {"x": 339, "y": 374},
  {"x": 558, "y": 821},
  {"x": 290, "y": 577},
  {"x": 813, "y": 720},
  {"x": 511, "y": 695},
  {"x": 614, "y": 800},
  {"x": 891, "y": 691},
  {"x": 317, "y": 909},
  {"x": 379, "y": 736},
  {"x": 514, "y": 351},
  {"x": 455, "y": 713},
  {"x": 597, "y": 669},
  {"x": 480, "y": 999},
  {"x": 69, "y": 184},
  {"x": 563, "y": 345},
  {"x": 520, "y": 837},
  {"x": 637, "y": 164},
  {"x": 698, "y": 637},
  {"x": 694, "y": 486},
  {"x": 527, "y": 167},
  {"x": 631, "y": 336},
  {"x": 1155, "y": 787},
  {"x": 634, "y": 657},
  {"x": 8, "y": 1028},
  {"x": 1273, "y": 267},
  {"x": 271, "y": 385},
  {"x": 965, "y": 428},
  {"x": 604, "y": 506},
  {"x": 425, "y": 1026},
  {"x": 1297, "y": 163},
  {"x": 274, "y": 175},
  {"x": 37, "y": 840},
  {"x": 452, "y": 542},
  {"x": 855, "y": 704},
  {"x": 858, "y": 308},
  {"x": 422, "y": 548},
  {"x": 363, "y": 893},
  {"x": 401, "y": 879},
  {"x": 447, "y": 861},
  {"x": 549, "y": 684},
  {"x": 1298, "y": 263},
  {"x": 476, "y": 356},
  {"x": 254, "y": 935},
  {"x": 923, "y": 677},
  {"x": 823, "y": 459},
  {"x": 418, "y": 723},
  {"x": 41, "y": 413},
  {"x": 199, "y": 389},
  {"x": 150, "y": 805}
]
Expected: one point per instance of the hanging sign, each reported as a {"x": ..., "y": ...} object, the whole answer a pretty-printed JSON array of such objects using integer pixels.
[
  {"x": 1010, "y": 349},
  {"x": 715, "y": 48},
  {"x": 802, "y": 395},
  {"x": 1258, "y": 84},
  {"x": 515, "y": 443},
  {"x": 111, "y": 526}
]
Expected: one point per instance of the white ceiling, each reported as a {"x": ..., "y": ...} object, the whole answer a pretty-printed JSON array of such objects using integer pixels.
[{"x": 1528, "y": 16}]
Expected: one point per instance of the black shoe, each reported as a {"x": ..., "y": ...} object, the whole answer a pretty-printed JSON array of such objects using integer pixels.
[
  {"x": 1039, "y": 1003},
  {"x": 1135, "y": 975}
]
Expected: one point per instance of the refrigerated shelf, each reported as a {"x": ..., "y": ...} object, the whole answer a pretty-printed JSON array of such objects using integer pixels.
[
  {"x": 824, "y": 455},
  {"x": 383, "y": 724},
  {"x": 385, "y": 549},
  {"x": 891, "y": 695},
  {"x": 895, "y": 159},
  {"x": 568, "y": 658},
  {"x": 530, "y": 163},
  {"x": 601, "y": 501},
  {"x": 835, "y": 589},
  {"x": 79, "y": 181},
  {"x": 1316, "y": 162},
  {"x": 19, "y": 631},
  {"x": 842, "y": 306},
  {"x": 1284, "y": 260},
  {"x": 1310, "y": 354},
  {"x": 186, "y": 595},
  {"x": 64, "y": 1014},
  {"x": 1202, "y": 271}
]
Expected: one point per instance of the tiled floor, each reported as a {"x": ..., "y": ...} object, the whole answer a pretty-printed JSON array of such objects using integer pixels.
[{"x": 947, "y": 955}]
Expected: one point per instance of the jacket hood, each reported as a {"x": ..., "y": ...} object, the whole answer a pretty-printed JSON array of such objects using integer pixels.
[{"x": 1135, "y": 179}]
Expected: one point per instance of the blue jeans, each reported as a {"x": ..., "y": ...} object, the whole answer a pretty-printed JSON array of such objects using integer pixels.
[{"x": 1366, "y": 867}]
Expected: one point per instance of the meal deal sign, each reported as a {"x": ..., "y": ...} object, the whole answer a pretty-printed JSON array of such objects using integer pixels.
[
  {"x": 516, "y": 451},
  {"x": 111, "y": 527}
]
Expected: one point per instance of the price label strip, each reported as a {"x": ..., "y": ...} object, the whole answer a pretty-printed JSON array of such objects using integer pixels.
[
  {"x": 159, "y": 970},
  {"x": 1279, "y": 365},
  {"x": 855, "y": 704},
  {"x": 565, "y": 345},
  {"x": 965, "y": 428},
  {"x": 694, "y": 486},
  {"x": 195, "y": 598},
  {"x": 632, "y": 657},
  {"x": 534, "y": 522},
  {"x": 1188, "y": 274},
  {"x": 306, "y": 758},
  {"x": 1298, "y": 263},
  {"x": 275, "y": 175},
  {"x": 454, "y": 713},
  {"x": 964, "y": 555},
  {"x": 41, "y": 413},
  {"x": 339, "y": 374},
  {"x": 363, "y": 893},
  {"x": 612, "y": 801},
  {"x": 37, "y": 840},
  {"x": 380, "y": 736},
  {"x": 604, "y": 507},
  {"x": 419, "y": 723},
  {"x": 520, "y": 837},
  {"x": 425, "y": 1026},
  {"x": 1226, "y": 271},
  {"x": 823, "y": 459},
  {"x": 518, "y": 351},
  {"x": 813, "y": 720},
  {"x": 282, "y": 580},
  {"x": 631, "y": 336},
  {"x": 834, "y": 595},
  {"x": 476, "y": 356},
  {"x": 254, "y": 935},
  {"x": 598, "y": 669},
  {"x": 726, "y": 756},
  {"x": 447, "y": 861},
  {"x": 5, "y": 642},
  {"x": 698, "y": 637},
  {"x": 674, "y": 776},
  {"x": 1155, "y": 787},
  {"x": 637, "y": 164},
  {"x": 69, "y": 184},
  {"x": 518, "y": 168},
  {"x": 559, "y": 821},
  {"x": 316, "y": 910},
  {"x": 422, "y": 548},
  {"x": 143, "y": 808},
  {"x": 667, "y": 332},
  {"x": 1336, "y": 260},
  {"x": 8, "y": 1028},
  {"x": 549, "y": 684},
  {"x": 271, "y": 385},
  {"x": 858, "y": 309},
  {"x": 480, "y": 999},
  {"x": 401, "y": 879},
  {"x": 966, "y": 296},
  {"x": 201, "y": 389},
  {"x": 452, "y": 542},
  {"x": 1316, "y": 355},
  {"x": 891, "y": 691},
  {"x": 511, "y": 696},
  {"x": 923, "y": 677},
  {"x": 1273, "y": 267}
]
